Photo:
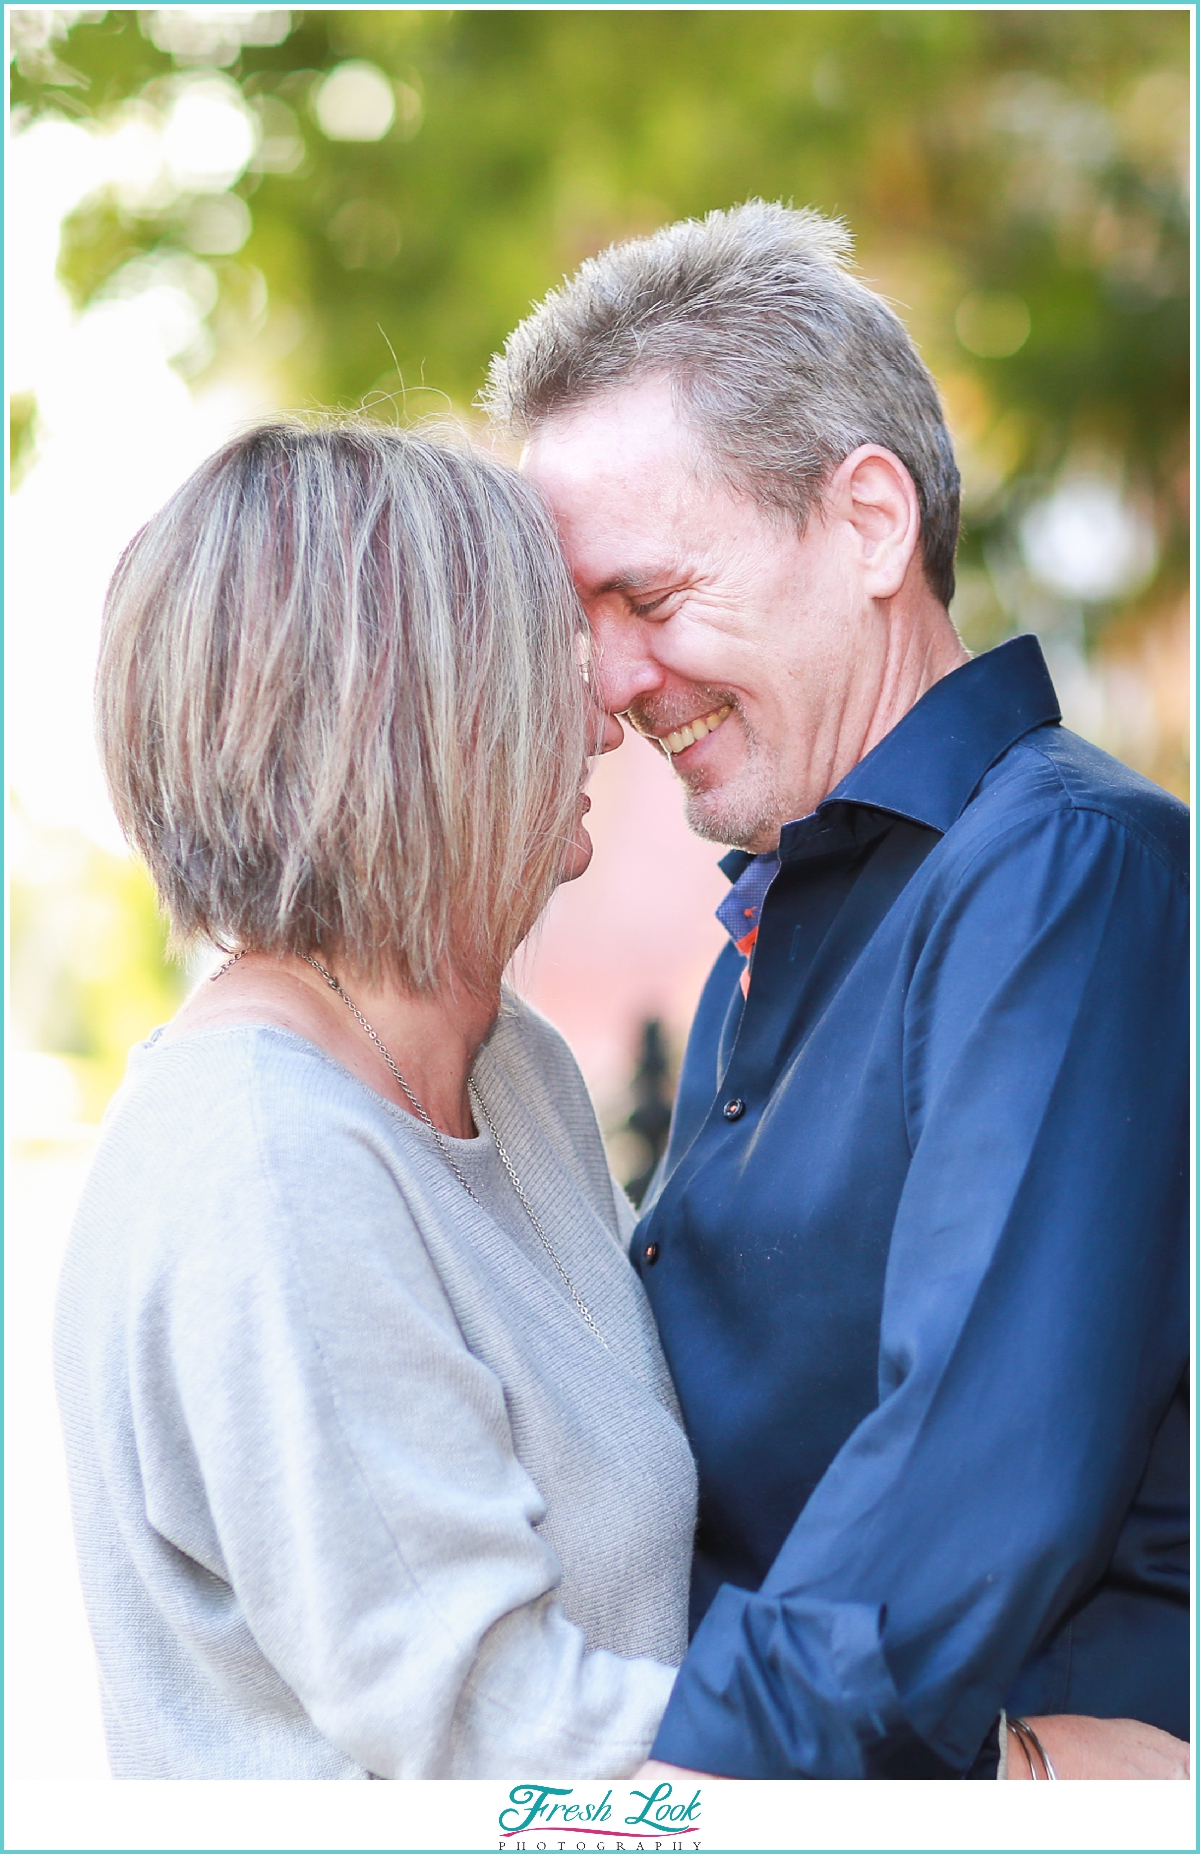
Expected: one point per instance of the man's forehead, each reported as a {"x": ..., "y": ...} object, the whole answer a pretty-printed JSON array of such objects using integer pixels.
[{"x": 631, "y": 427}]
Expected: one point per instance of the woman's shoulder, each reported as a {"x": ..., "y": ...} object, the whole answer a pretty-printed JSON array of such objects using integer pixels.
[
  {"x": 262, "y": 1061},
  {"x": 242, "y": 1159},
  {"x": 229, "y": 1126},
  {"x": 522, "y": 1026},
  {"x": 234, "y": 1078},
  {"x": 539, "y": 1069},
  {"x": 531, "y": 1050}
]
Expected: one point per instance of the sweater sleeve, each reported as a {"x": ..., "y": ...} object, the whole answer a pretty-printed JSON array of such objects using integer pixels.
[{"x": 362, "y": 1496}]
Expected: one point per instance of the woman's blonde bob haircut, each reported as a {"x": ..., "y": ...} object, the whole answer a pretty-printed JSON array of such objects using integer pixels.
[{"x": 340, "y": 702}]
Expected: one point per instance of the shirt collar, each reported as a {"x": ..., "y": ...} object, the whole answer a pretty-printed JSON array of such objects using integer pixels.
[{"x": 930, "y": 763}]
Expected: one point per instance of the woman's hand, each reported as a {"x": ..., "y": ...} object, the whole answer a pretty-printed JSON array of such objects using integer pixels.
[
  {"x": 1112, "y": 1749},
  {"x": 1106, "y": 1748}
]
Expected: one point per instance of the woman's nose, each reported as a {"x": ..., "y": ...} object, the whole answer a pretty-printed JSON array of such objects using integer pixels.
[{"x": 612, "y": 735}]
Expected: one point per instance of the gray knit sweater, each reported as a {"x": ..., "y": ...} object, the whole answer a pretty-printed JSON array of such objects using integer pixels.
[{"x": 357, "y": 1491}]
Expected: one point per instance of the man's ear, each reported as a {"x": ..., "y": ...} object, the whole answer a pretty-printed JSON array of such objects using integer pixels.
[{"x": 873, "y": 492}]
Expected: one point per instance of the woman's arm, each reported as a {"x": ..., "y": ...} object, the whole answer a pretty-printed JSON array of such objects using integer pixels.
[
  {"x": 1077, "y": 1747},
  {"x": 1104, "y": 1748}
]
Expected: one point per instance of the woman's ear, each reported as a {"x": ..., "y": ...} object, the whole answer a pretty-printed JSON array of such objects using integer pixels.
[{"x": 872, "y": 491}]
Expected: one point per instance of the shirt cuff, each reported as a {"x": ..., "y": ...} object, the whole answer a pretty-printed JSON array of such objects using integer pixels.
[
  {"x": 991, "y": 1761},
  {"x": 786, "y": 1687}
]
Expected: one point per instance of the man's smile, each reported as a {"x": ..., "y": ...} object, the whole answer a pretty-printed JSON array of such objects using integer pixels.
[{"x": 680, "y": 738}]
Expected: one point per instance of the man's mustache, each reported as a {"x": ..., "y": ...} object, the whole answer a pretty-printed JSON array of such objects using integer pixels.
[{"x": 656, "y": 717}]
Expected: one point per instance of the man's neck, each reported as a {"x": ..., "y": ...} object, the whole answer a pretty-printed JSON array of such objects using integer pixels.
[
  {"x": 920, "y": 646},
  {"x": 919, "y": 654}
]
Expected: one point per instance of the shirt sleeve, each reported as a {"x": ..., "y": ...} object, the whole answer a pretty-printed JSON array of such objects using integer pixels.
[
  {"x": 361, "y": 1495},
  {"x": 1034, "y": 1327}
]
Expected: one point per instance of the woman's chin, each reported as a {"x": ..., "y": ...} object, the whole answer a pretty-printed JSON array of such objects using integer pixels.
[{"x": 577, "y": 858}]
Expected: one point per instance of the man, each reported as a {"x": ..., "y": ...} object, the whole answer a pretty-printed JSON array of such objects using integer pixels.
[{"x": 919, "y": 1257}]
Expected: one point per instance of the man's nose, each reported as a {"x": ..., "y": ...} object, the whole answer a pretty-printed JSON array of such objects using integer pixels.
[{"x": 625, "y": 665}]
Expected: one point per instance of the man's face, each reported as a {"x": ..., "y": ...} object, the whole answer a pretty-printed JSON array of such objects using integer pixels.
[{"x": 722, "y": 633}]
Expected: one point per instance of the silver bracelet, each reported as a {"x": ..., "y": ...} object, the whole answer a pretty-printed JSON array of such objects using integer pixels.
[{"x": 1030, "y": 1742}]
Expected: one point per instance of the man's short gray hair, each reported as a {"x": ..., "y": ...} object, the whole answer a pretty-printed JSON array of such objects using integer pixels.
[
  {"x": 781, "y": 360},
  {"x": 341, "y": 701}
]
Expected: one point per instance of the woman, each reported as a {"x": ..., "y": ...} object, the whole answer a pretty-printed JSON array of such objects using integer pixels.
[{"x": 376, "y": 1466}]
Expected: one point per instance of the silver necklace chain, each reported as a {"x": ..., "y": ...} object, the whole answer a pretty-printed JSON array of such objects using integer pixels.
[{"x": 476, "y": 1101}]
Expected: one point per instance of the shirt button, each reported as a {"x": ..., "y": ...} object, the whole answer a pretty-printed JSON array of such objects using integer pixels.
[
  {"x": 733, "y": 1110},
  {"x": 650, "y": 1254}
]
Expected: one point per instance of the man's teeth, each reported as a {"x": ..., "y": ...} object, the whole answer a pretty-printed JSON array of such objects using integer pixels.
[{"x": 694, "y": 731}]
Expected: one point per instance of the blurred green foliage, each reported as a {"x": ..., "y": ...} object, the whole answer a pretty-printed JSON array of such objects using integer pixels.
[
  {"x": 1016, "y": 181},
  {"x": 22, "y": 412},
  {"x": 979, "y": 156},
  {"x": 89, "y": 945}
]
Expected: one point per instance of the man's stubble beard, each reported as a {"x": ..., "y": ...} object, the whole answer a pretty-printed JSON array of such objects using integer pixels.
[
  {"x": 750, "y": 811},
  {"x": 754, "y": 809}
]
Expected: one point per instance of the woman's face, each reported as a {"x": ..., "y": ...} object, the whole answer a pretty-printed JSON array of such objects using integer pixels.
[{"x": 580, "y": 853}]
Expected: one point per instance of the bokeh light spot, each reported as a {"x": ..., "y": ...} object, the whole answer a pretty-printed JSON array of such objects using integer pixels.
[
  {"x": 410, "y": 109},
  {"x": 209, "y": 135},
  {"x": 281, "y": 145},
  {"x": 992, "y": 323},
  {"x": 1087, "y": 542},
  {"x": 217, "y": 224},
  {"x": 213, "y": 35},
  {"x": 355, "y": 103}
]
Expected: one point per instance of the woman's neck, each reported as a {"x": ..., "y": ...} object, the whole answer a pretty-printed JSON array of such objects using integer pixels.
[{"x": 433, "y": 1038}]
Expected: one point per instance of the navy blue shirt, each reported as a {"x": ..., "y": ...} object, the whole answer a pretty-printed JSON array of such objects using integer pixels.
[{"x": 920, "y": 1262}]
